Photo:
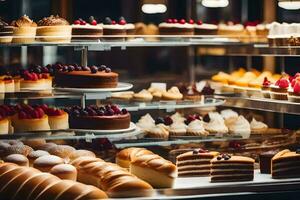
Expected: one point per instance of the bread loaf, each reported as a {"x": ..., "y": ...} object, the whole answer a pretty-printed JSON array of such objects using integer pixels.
[
  {"x": 124, "y": 157},
  {"x": 81, "y": 153},
  {"x": 116, "y": 181},
  {"x": 63, "y": 151},
  {"x": 64, "y": 171},
  {"x": 45, "y": 163},
  {"x": 157, "y": 171},
  {"x": 25, "y": 183}
]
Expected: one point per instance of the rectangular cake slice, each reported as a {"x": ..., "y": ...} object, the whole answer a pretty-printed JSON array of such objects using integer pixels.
[
  {"x": 195, "y": 163},
  {"x": 286, "y": 164},
  {"x": 226, "y": 168}
]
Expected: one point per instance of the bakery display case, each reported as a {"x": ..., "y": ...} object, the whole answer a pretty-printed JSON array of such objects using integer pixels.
[{"x": 75, "y": 126}]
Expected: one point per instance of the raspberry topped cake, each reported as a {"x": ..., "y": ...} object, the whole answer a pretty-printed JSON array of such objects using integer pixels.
[
  {"x": 29, "y": 118},
  {"x": 112, "y": 27},
  {"x": 205, "y": 29},
  {"x": 109, "y": 117},
  {"x": 294, "y": 91},
  {"x": 279, "y": 90},
  {"x": 176, "y": 27},
  {"x": 82, "y": 30},
  {"x": 39, "y": 79},
  {"x": 75, "y": 76}
]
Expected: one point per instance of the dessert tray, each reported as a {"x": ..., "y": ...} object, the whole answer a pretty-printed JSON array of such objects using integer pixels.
[
  {"x": 120, "y": 87},
  {"x": 132, "y": 127}
]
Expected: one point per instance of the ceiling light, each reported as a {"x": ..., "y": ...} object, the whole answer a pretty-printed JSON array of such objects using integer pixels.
[
  {"x": 154, "y": 8},
  {"x": 289, "y": 4},
  {"x": 215, "y": 3}
]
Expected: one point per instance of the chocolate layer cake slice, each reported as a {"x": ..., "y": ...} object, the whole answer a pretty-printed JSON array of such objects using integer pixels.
[
  {"x": 195, "y": 163},
  {"x": 286, "y": 164},
  {"x": 226, "y": 168}
]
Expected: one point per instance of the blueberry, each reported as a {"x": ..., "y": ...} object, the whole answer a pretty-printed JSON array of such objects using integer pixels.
[
  {"x": 107, "y": 20},
  {"x": 86, "y": 68},
  {"x": 110, "y": 112},
  {"x": 75, "y": 65},
  {"x": 100, "y": 112},
  {"x": 65, "y": 69},
  {"x": 71, "y": 68},
  {"x": 124, "y": 111},
  {"x": 37, "y": 70},
  {"x": 76, "y": 113},
  {"x": 219, "y": 158},
  {"x": 206, "y": 118},
  {"x": 195, "y": 151},
  {"x": 226, "y": 157},
  {"x": 159, "y": 120},
  {"x": 121, "y": 18},
  {"x": 107, "y": 70},
  {"x": 45, "y": 70},
  {"x": 94, "y": 69},
  {"x": 84, "y": 113},
  {"x": 102, "y": 68}
]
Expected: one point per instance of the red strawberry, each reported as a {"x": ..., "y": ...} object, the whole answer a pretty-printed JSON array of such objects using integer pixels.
[
  {"x": 34, "y": 77},
  {"x": 174, "y": 21},
  {"x": 113, "y": 22},
  {"x": 199, "y": 22},
  {"x": 282, "y": 83},
  {"x": 1, "y": 117},
  {"x": 40, "y": 112},
  {"x": 191, "y": 21},
  {"x": 77, "y": 22},
  {"x": 94, "y": 22},
  {"x": 182, "y": 21},
  {"x": 122, "y": 22},
  {"x": 45, "y": 76},
  {"x": 58, "y": 112},
  {"x": 169, "y": 21},
  {"x": 297, "y": 87},
  {"x": 297, "y": 75},
  {"x": 82, "y": 22},
  {"x": 44, "y": 107},
  {"x": 293, "y": 82}
]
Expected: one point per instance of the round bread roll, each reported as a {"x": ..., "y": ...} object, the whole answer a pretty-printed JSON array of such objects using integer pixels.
[
  {"x": 53, "y": 191},
  {"x": 45, "y": 163},
  {"x": 47, "y": 146},
  {"x": 81, "y": 153},
  {"x": 18, "y": 149},
  {"x": 63, "y": 151},
  {"x": 36, "y": 154},
  {"x": 18, "y": 159},
  {"x": 35, "y": 143},
  {"x": 65, "y": 171}
]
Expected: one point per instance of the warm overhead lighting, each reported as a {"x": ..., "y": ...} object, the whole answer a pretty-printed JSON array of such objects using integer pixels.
[
  {"x": 215, "y": 3},
  {"x": 289, "y": 4},
  {"x": 154, "y": 8}
]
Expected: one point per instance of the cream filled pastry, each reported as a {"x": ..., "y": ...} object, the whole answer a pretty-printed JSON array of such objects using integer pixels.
[
  {"x": 146, "y": 122},
  {"x": 258, "y": 127},
  {"x": 177, "y": 117},
  {"x": 143, "y": 95},
  {"x": 196, "y": 128},
  {"x": 216, "y": 125},
  {"x": 159, "y": 131},
  {"x": 240, "y": 127},
  {"x": 229, "y": 116},
  {"x": 178, "y": 129}
]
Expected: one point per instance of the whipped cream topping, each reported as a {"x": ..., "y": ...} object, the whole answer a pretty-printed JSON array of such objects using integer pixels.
[
  {"x": 146, "y": 122},
  {"x": 206, "y": 26},
  {"x": 129, "y": 26},
  {"x": 87, "y": 26},
  {"x": 113, "y": 26},
  {"x": 175, "y": 25},
  {"x": 240, "y": 127},
  {"x": 215, "y": 116},
  {"x": 284, "y": 30},
  {"x": 196, "y": 126},
  {"x": 257, "y": 125},
  {"x": 216, "y": 124},
  {"x": 228, "y": 113},
  {"x": 178, "y": 127},
  {"x": 177, "y": 118}
]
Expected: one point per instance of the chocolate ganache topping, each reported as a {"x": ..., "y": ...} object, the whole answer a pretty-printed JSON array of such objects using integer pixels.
[
  {"x": 23, "y": 21},
  {"x": 53, "y": 21}
]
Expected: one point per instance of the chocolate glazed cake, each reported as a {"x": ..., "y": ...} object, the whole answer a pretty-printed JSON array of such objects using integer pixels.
[
  {"x": 286, "y": 164},
  {"x": 226, "y": 168},
  {"x": 86, "y": 77},
  {"x": 194, "y": 163},
  {"x": 109, "y": 117}
]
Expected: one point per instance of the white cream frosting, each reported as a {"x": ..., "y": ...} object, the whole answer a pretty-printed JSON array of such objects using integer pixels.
[
  {"x": 206, "y": 26},
  {"x": 231, "y": 27},
  {"x": 177, "y": 118},
  {"x": 216, "y": 124},
  {"x": 228, "y": 113},
  {"x": 178, "y": 127},
  {"x": 241, "y": 127},
  {"x": 257, "y": 125},
  {"x": 195, "y": 126},
  {"x": 146, "y": 122},
  {"x": 129, "y": 26},
  {"x": 175, "y": 25},
  {"x": 284, "y": 30},
  {"x": 87, "y": 26},
  {"x": 113, "y": 26}
]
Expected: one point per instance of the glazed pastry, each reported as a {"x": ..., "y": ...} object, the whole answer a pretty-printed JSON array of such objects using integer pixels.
[
  {"x": 245, "y": 79},
  {"x": 45, "y": 163},
  {"x": 159, "y": 131},
  {"x": 256, "y": 83},
  {"x": 180, "y": 129},
  {"x": 18, "y": 159},
  {"x": 172, "y": 94},
  {"x": 195, "y": 128},
  {"x": 258, "y": 127},
  {"x": 35, "y": 155},
  {"x": 143, "y": 95},
  {"x": 146, "y": 122},
  {"x": 18, "y": 148},
  {"x": 221, "y": 77},
  {"x": 240, "y": 127},
  {"x": 54, "y": 29},
  {"x": 24, "y": 30},
  {"x": 6, "y": 32},
  {"x": 216, "y": 124},
  {"x": 64, "y": 171},
  {"x": 157, "y": 90}
]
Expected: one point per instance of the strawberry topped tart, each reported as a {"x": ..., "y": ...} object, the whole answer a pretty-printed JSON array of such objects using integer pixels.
[
  {"x": 37, "y": 79},
  {"x": 176, "y": 27},
  {"x": 279, "y": 90},
  {"x": 109, "y": 117},
  {"x": 294, "y": 91},
  {"x": 82, "y": 30}
]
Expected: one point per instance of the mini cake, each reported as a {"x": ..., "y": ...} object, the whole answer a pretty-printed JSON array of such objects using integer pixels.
[
  {"x": 279, "y": 90},
  {"x": 112, "y": 28},
  {"x": 36, "y": 81},
  {"x": 226, "y": 168},
  {"x": 24, "y": 30},
  {"x": 258, "y": 127},
  {"x": 240, "y": 127},
  {"x": 30, "y": 119},
  {"x": 130, "y": 29},
  {"x": 143, "y": 95},
  {"x": 205, "y": 29},
  {"x": 195, "y": 163},
  {"x": 231, "y": 30},
  {"x": 176, "y": 27},
  {"x": 146, "y": 122},
  {"x": 178, "y": 129},
  {"x": 4, "y": 125},
  {"x": 172, "y": 94},
  {"x": 81, "y": 30},
  {"x": 109, "y": 117},
  {"x": 215, "y": 124},
  {"x": 6, "y": 32},
  {"x": 285, "y": 164},
  {"x": 58, "y": 119},
  {"x": 189, "y": 92},
  {"x": 53, "y": 29},
  {"x": 196, "y": 128},
  {"x": 265, "y": 89},
  {"x": 294, "y": 92},
  {"x": 86, "y": 77},
  {"x": 265, "y": 159}
]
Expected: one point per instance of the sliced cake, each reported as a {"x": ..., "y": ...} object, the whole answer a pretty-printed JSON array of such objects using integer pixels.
[
  {"x": 286, "y": 164},
  {"x": 195, "y": 163},
  {"x": 226, "y": 168}
]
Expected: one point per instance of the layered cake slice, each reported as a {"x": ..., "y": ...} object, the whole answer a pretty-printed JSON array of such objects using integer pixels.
[
  {"x": 286, "y": 164},
  {"x": 81, "y": 30},
  {"x": 226, "y": 168},
  {"x": 195, "y": 163}
]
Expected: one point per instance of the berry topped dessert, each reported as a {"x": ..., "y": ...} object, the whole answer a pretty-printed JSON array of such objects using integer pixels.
[
  {"x": 176, "y": 27},
  {"x": 205, "y": 29},
  {"x": 75, "y": 76},
  {"x": 54, "y": 29},
  {"x": 24, "y": 30},
  {"x": 37, "y": 78},
  {"x": 6, "y": 32},
  {"x": 108, "y": 117},
  {"x": 294, "y": 91},
  {"x": 116, "y": 28},
  {"x": 58, "y": 119},
  {"x": 82, "y": 30},
  {"x": 29, "y": 118},
  {"x": 265, "y": 89},
  {"x": 279, "y": 90}
]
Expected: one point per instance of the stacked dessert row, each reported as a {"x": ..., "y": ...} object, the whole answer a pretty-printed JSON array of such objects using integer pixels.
[
  {"x": 159, "y": 92},
  {"x": 57, "y": 29},
  {"x": 26, "y": 118},
  {"x": 227, "y": 122},
  {"x": 284, "y": 34}
]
